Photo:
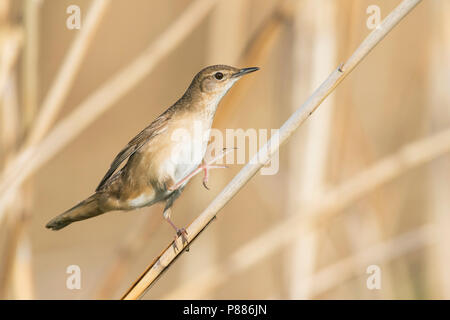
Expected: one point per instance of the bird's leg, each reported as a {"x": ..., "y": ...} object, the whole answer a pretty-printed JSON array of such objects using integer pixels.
[
  {"x": 180, "y": 231},
  {"x": 167, "y": 213},
  {"x": 185, "y": 179},
  {"x": 205, "y": 167}
]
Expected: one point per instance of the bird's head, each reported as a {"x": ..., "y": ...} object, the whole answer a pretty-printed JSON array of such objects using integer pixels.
[{"x": 214, "y": 81}]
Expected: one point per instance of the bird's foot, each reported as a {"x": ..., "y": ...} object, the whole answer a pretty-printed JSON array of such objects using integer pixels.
[
  {"x": 180, "y": 231},
  {"x": 183, "y": 233}
]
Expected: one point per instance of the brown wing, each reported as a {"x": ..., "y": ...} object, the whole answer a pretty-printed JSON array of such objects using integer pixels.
[{"x": 136, "y": 143}]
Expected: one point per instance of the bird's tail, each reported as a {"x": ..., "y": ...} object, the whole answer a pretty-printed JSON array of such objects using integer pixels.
[{"x": 84, "y": 210}]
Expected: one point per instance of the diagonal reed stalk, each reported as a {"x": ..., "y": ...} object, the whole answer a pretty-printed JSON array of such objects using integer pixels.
[{"x": 168, "y": 256}]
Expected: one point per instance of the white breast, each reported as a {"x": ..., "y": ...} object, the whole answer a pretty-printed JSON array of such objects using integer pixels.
[
  {"x": 190, "y": 140},
  {"x": 187, "y": 152}
]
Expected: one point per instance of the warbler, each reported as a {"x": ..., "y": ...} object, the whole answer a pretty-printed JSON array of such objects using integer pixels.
[{"x": 158, "y": 166}]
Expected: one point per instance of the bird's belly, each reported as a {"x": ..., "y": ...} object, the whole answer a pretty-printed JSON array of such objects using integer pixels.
[{"x": 184, "y": 158}]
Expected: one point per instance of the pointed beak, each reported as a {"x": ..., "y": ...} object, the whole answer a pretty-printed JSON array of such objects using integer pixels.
[{"x": 241, "y": 72}]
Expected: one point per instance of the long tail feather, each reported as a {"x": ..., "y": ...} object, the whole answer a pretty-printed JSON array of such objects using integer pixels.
[{"x": 84, "y": 210}]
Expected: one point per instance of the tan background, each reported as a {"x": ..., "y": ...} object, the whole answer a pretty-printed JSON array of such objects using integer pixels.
[{"x": 386, "y": 102}]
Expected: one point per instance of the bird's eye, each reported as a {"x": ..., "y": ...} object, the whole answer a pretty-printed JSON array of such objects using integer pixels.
[{"x": 218, "y": 75}]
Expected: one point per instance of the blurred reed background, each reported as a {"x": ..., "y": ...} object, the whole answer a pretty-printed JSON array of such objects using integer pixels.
[{"x": 71, "y": 99}]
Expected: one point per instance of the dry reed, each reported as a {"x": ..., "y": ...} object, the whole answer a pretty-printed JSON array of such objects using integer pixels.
[
  {"x": 256, "y": 52},
  {"x": 165, "y": 259}
]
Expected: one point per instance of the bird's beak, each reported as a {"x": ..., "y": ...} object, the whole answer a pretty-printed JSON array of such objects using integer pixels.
[{"x": 241, "y": 72}]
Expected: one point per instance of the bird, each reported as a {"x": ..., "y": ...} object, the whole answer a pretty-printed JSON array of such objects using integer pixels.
[{"x": 162, "y": 158}]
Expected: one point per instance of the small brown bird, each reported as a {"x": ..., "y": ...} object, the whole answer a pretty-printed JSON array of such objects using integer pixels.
[{"x": 164, "y": 156}]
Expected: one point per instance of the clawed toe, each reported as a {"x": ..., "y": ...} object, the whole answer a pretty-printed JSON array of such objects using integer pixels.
[{"x": 183, "y": 233}]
